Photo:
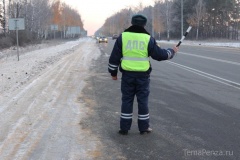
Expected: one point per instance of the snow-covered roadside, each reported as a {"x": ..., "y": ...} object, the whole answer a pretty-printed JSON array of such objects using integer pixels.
[
  {"x": 43, "y": 118},
  {"x": 14, "y": 73},
  {"x": 205, "y": 43},
  {"x": 12, "y": 51}
]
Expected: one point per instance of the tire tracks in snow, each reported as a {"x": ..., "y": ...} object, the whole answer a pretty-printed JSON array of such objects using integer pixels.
[{"x": 44, "y": 124}]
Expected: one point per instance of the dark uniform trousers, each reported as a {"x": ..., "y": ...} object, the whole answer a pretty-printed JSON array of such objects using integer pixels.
[{"x": 132, "y": 85}]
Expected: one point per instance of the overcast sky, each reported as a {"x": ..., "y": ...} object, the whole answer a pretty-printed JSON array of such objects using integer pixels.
[{"x": 95, "y": 12}]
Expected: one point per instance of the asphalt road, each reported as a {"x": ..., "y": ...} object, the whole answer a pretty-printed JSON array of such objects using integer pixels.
[{"x": 194, "y": 107}]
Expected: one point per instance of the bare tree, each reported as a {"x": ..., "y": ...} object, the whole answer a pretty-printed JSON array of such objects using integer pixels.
[
  {"x": 164, "y": 10},
  {"x": 4, "y": 18},
  {"x": 195, "y": 19},
  {"x": 159, "y": 17},
  {"x": 138, "y": 8},
  {"x": 168, "y": 17},
  {"x": 117, "y": 22},
  {"x": 200, "y": 11},
  {"x": 1, "y": 16}
]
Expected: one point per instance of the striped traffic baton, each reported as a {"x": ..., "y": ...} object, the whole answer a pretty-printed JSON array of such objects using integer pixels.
[{"x": 183, "y": 37}]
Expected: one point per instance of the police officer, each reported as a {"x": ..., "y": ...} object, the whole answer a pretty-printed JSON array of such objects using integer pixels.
[{"x": 130, "y": 54}]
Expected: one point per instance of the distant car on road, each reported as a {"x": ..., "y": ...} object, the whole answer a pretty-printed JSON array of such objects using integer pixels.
[
  {"x": 102, "y": 39},
  {"x": 115, "y": 36}
]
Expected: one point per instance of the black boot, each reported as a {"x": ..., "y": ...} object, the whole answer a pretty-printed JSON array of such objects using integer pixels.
[
  {"x": 122, "y": 132},
  {"x": 149, "y": 130}
]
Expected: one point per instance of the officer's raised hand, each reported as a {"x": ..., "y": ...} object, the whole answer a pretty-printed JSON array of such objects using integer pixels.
[{"x": 175, "y": 48}]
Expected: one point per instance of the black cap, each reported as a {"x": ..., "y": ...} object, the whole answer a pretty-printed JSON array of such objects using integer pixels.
[{"x": 139, "y": 20}]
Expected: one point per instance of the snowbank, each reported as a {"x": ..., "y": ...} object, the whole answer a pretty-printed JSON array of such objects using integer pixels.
[{"x": 14, "y": 73}]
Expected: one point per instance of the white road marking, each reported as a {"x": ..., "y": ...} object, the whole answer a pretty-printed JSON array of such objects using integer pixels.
[
  {"x": 210, "y": 58},
  {"x": 207, "y": 75},
  {"x": 106, "y": 55}
]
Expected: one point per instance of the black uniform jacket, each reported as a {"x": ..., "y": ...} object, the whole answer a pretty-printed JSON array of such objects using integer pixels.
[{"x": 154, "y": 51}]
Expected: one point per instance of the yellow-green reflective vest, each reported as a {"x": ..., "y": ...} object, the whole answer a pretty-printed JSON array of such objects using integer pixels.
[{"x": 135, "y": 52}]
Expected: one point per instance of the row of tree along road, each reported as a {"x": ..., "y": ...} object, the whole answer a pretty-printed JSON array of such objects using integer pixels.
[
  {"x": 45, "y": 19},
  {"x": 167, "y": 19},
  {"x": 210, "y": 19}
]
